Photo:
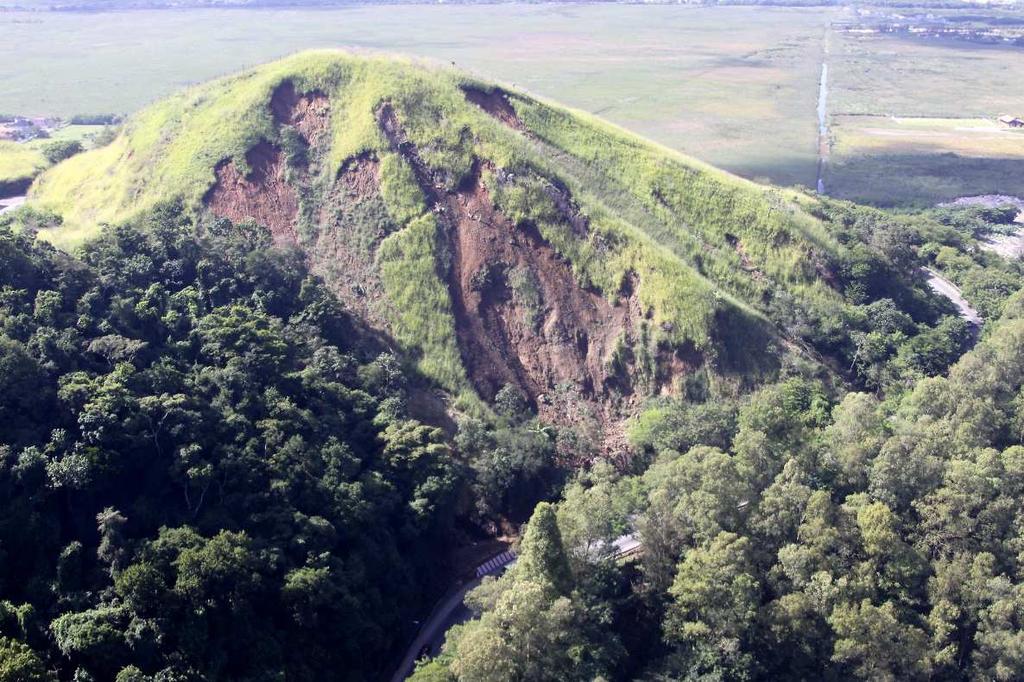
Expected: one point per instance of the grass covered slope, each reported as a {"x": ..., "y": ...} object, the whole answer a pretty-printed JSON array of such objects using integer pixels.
[
  {"x": 18, "y": 165},
  {"x": 460, "y": 218}
]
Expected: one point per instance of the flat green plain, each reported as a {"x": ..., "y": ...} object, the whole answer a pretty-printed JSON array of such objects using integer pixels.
[
  {"x": 913, "y": 121},
  {"x": 734, "y": 86}
]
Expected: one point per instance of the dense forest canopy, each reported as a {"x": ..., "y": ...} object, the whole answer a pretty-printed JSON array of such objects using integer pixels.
[{"x": 206, "y": 471}]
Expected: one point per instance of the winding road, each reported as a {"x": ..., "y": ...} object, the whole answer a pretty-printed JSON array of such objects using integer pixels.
[
  {"x": 451, "y": 609},
  {"x": 11, "y": 203},
  {"x": 944, "y": 287}
]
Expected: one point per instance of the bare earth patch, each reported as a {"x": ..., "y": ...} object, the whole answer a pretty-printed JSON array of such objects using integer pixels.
[
  {"x": 495, "y": 103},
  {"x": 263, "y": 196},
  {"x": 309, "y": 112},
  {"x": 522, "y": 319}
]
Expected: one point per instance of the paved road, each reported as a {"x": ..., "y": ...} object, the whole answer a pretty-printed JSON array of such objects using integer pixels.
[
  {"x": 10, "y": 203},
  {"x": 448, "y": 612},
  {"x": 452, "y": 610},
  {"x": 944, "y": 287}
]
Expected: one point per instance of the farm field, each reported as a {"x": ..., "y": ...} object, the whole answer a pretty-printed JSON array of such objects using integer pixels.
[
  {"x": 908, "y": 77},
  {"x": 914, "y": 121},
  {"x": 898, "y": 161},
  {"x": 734, "y": 86}
]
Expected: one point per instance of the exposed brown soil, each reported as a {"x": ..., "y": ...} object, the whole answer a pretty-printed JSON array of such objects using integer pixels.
[
  {"x": 309, "y": 112},
  {"x": 555, "y": 345},
  {"x": 263, "y": 195},
  {"x": 495, "y": 103},
  {"x": 360, "y": 177}
]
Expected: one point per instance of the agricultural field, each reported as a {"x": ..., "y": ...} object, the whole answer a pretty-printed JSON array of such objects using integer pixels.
[
  {"x": 734, "y": 86},
  {"x": 914, "y": 121},
  {"x": 898, "y": 161}
]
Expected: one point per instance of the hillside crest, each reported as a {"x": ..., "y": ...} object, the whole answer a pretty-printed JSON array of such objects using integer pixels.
[{"x": 497, "y": 240}]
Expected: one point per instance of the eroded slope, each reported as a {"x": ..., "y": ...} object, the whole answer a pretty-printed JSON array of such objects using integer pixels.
[{"x": 494, "y": 239}]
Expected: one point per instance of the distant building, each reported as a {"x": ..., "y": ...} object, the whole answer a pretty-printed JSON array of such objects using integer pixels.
[{"x": 1012, "y": 121}]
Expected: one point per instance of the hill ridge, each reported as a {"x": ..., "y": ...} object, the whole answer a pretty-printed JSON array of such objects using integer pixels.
[{"x": 498, "y": 239}]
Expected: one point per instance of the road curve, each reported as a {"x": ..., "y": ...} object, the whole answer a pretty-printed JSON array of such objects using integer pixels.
[
  {"x": 441, "y": 618},
  {"x": 11, "y": 203},
  {"x": 944, "y": 287},
  {"x": 447, "y": 611}
]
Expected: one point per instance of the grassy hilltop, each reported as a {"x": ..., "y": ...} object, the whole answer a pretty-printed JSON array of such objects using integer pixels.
[{"x": 700, "y": 256}]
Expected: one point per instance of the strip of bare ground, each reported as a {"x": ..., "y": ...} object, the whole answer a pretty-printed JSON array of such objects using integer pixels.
[
  {"x": 496, "y": 103},
  {"x": 263, "y": 195}
]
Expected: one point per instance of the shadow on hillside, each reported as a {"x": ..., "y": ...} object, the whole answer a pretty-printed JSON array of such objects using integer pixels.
[{"x": 922, "y": 179}]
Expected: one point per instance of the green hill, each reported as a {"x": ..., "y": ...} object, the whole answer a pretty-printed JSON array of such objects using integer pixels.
[
  {"x": 499, "y": 239},
  {"x": 351, "y": 319}
]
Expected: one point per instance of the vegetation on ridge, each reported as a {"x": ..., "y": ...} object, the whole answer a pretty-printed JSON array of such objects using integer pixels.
[{"x": 721, "y": 264}]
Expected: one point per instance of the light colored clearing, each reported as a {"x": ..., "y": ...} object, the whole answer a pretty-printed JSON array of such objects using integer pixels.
[
  {"x": 943, "y": 287},
  {"x": 11, "y": 203},
  {"x": 1007, "y": 245},
  {"x": 976, "y": 137}
]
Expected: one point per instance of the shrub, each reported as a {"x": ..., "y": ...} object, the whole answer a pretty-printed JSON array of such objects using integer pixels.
[{"x": 58, "y": 150}]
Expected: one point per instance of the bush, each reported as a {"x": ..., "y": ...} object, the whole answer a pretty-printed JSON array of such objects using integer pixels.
[
  {"x": 94, "y": 119},
  {"x": 57, "y": 151}
]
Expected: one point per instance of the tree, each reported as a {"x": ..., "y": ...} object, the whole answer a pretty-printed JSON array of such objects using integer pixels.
[
  {"x": 715, "y": 599},
  {"x": 853, "y": 439},
  {"x": 595, "y": 510},
  {"x": 19, "y": 663},
  {"x": 58, "y": 150},
  {"x": 542, "y": 557},
  {"x": 1000, "y": 637},
  {"x": 877, "y": 645},
  {"x": 532, "y": 635},
  {"x": 223, "y": 571}
]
